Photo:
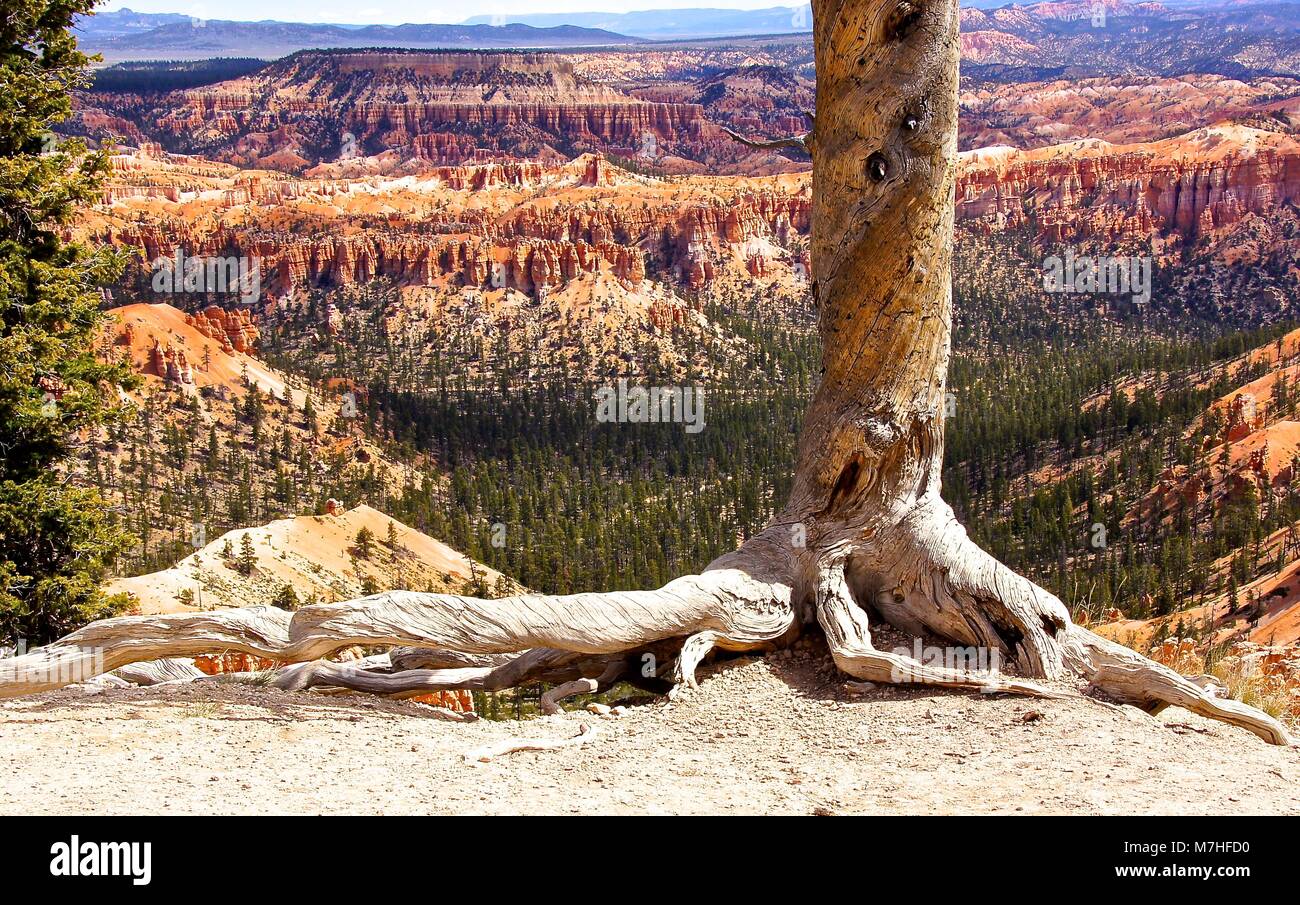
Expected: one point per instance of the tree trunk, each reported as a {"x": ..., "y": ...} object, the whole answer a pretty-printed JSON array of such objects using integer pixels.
[{"x": 865, "y": 533}]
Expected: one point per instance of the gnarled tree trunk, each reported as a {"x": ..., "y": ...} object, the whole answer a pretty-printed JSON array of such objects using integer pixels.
[{"x": 865, "y": 534}]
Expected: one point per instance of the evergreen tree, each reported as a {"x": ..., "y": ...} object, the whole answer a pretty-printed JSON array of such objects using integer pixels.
[
  {"x": 365, "y": 543},
  {"x": 56, "y": 540},
  {"x": 247, "y": 560},
  {"x": 309, "y": 416},
  {"x": 286, "y": 598}
]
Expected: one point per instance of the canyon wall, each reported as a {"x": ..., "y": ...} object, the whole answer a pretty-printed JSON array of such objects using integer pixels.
[
  {"x": 534, "y": 227},
  {"x": 1180, "y": 189},
  {"x": 585, "y": 217},
  {"x": 321, "y": 107}
]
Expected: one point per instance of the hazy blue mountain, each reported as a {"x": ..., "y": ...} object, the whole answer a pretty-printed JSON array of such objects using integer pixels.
[
  {"x": 124, "y": 22},
  {"x": 667, "y": 24},
  {"x": 670, "y": 24},
  {"x": 189, "y": 38}
]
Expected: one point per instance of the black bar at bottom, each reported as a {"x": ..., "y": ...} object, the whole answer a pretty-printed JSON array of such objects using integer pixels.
[{"x": 224, "y": 856}]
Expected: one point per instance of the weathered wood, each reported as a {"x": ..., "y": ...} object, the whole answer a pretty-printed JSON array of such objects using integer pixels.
[
  {"x": 108, "y": 644},
  {"x": 1130, "y": 677},
  {"x": 550, "y": 702},
  {"x": 799, "y": 142},
  {"x": 408, "y": 683},
  {"x": 156, "y": 672},
  {"x": 442, "y": 658},
  {"x": 743, "y": 597},
  {"x": 849, "y": 638}
]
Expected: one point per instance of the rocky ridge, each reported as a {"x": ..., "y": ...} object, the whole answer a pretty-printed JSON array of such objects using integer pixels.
[{"x": 534, "y": 228}]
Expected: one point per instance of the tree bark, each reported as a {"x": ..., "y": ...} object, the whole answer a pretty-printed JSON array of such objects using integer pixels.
[{"x": 865, "y": 534}]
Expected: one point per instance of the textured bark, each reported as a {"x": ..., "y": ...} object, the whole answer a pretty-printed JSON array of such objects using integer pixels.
[
  {"x": 550, "y": 702},
  {"x": 865, "y": 534},
  {"x": 159, "y": 672}
]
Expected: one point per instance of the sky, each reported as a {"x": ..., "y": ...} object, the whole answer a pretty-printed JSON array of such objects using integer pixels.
[{"x": 395, "y": 12}]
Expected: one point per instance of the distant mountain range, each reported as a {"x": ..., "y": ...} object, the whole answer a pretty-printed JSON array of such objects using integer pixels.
[
  {"x": 676, "y": 24},
  {"x": 679, "y": 24},
  {"x": 105, "y": 25},
  {"x": 128, "y": 35},
  {"x": 670, "y": 24},
  {"x": 1229, "y": 36}
]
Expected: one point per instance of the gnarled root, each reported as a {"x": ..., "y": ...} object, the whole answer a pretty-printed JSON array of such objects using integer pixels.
[
  {"x": 849, "y": 638},
  {"x": 586, "y": 733},
  {"x": 1130, "y": 677},
  {"x": 112, "y": 643},
  {"x": 322, "y": 675},
  {"x": 693, "y": 652},
  {"x": 743, "y": 595},
  {"x": 160, "y": 672},
  {"x": 615, "y": 669},
  {"x": 922, "y": 575},
  {"x": 550, "y": 702},
  {"x": 376, "y": 675},
  {"x": 926, "y": 575},
  {"x": 441, "y": 658}
]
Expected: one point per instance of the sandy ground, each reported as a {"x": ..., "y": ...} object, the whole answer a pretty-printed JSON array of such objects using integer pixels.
[{"x": 782, "y": 736}]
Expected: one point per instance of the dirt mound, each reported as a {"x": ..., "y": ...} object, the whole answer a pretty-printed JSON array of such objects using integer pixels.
[{"x": 315, "y": 555}]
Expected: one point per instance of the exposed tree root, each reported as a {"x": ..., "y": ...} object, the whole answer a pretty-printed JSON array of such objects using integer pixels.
[
  {"x": 1121, "y": 673},
  {"x": 112, "y": 643},
  {"x": 322, "y": 675},
  {"x": 923, "y": 575},
  {"x": 376, "y": 675},
  {"x": 941, "y": 584},
  {"x": 159, "y": 672},
  {"x": 695, "y": 649},
  {"x": 849, "y": 637},
  {"x": 586, "y": 733},
  {"x": 1132, "y": 678},
  {"x": 441, "y": 658},
  {"x": 742, "y": 596},
  {"x": 928, "y": 577},
  {"x": 550, "y": 702}
]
